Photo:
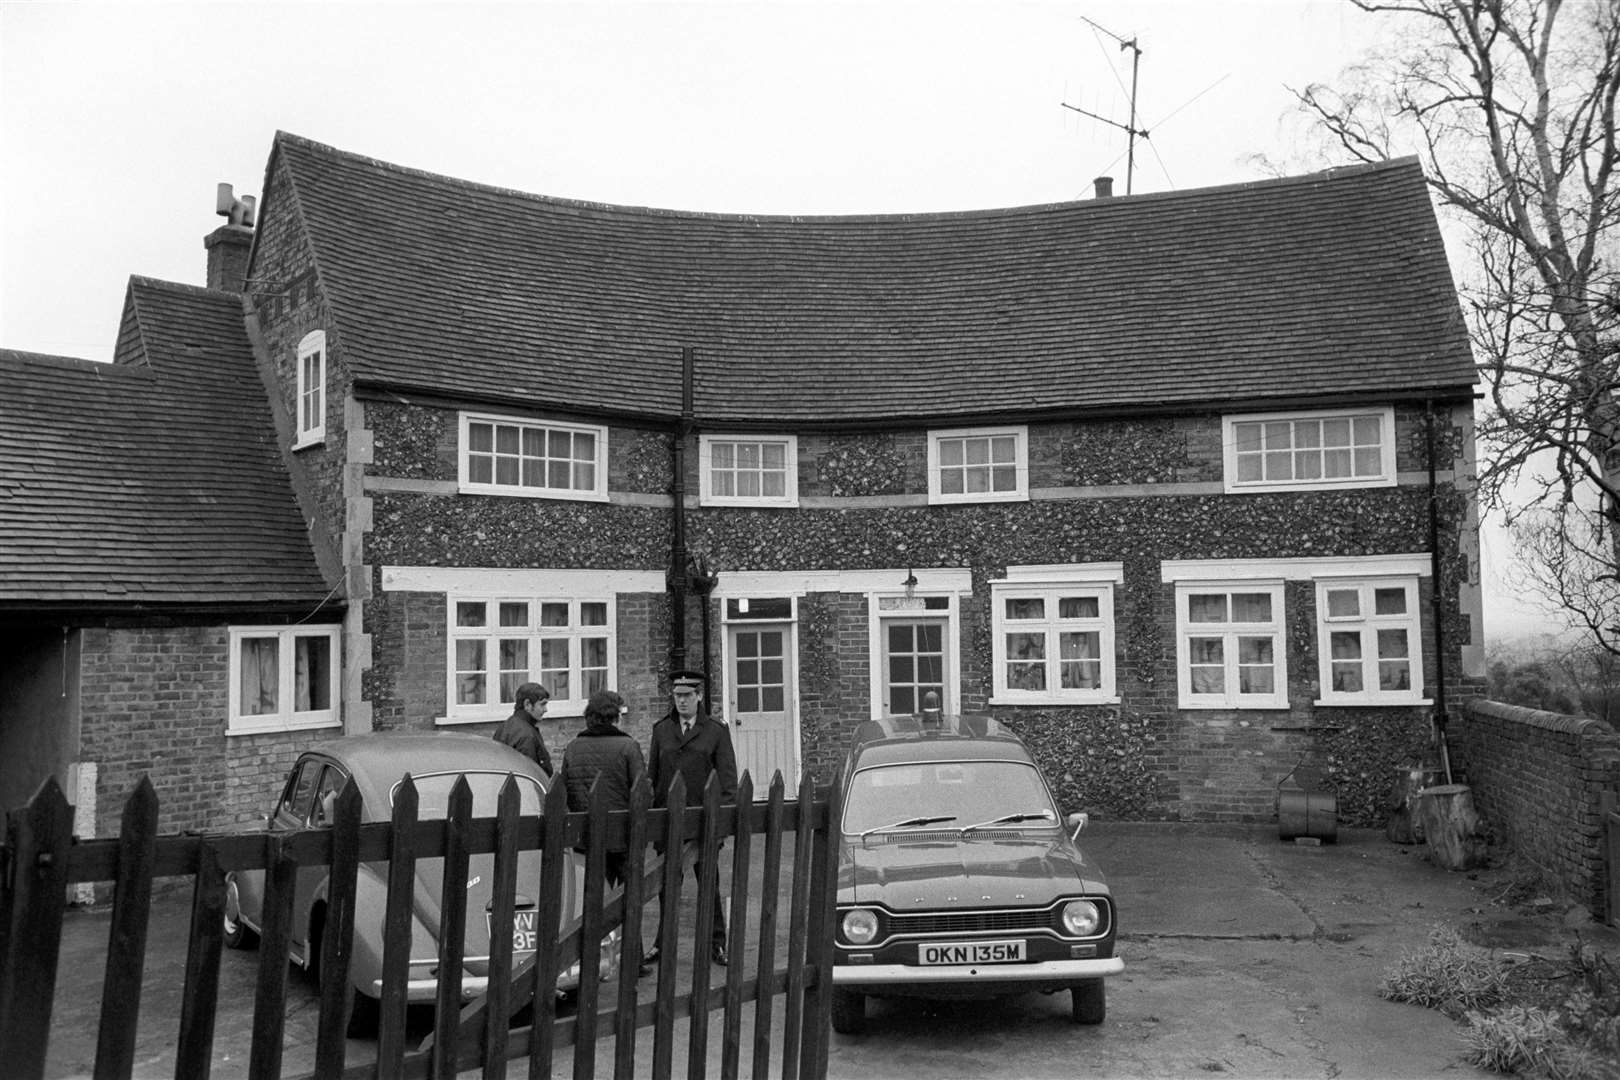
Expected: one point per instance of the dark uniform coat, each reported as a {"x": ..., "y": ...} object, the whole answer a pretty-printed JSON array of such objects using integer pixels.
[{"x": 706, "y": 748}]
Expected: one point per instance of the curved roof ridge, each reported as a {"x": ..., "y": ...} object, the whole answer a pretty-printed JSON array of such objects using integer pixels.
[{"x": 857, "y": 217}]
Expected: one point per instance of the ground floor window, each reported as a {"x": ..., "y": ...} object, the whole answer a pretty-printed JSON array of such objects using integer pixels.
[
  {"x": 499, "y": 643},
  {"x": 1369, "y": 641},
  {"x": 283, "y": 678},
  {"x": 1229, "y": 645},
  {"x": 1053, "y": 634}
]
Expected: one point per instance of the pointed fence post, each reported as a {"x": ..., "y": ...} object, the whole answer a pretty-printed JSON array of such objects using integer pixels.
[
  {"x": 669, "y": 931},
  {"x": 396, "y": 965},
  {"x": 38, "y": 837},
  {"x": 126, "y": 936},
  {"x": 770, "y": 889},
  {"x": 337, "y": 937},
  {"x": 742, "y": 832},
  {"x": 452, "y": 929},
  {"x": 498, "y": 1014}
]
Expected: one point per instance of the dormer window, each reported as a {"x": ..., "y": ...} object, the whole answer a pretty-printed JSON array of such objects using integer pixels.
[{"x": 310, "y": 404}]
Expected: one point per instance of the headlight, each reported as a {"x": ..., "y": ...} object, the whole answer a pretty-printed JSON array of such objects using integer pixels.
[
  {"x": 1081, "y": 918},
  {"x": 860, "y": 927}
]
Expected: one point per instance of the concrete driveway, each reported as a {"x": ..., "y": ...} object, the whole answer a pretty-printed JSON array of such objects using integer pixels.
[{"x": 1245, "y": 956}]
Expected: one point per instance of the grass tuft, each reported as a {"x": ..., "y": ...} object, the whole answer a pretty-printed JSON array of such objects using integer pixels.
[{"x": 1447, "y": 974}]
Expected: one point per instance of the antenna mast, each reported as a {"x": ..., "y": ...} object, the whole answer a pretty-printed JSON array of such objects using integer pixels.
[{"x": 1130, "y": 129}]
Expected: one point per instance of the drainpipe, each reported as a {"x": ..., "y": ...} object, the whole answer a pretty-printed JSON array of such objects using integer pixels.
[
  {"x": 1436, "y": 603},
  {"x": 677, "y": 554}
]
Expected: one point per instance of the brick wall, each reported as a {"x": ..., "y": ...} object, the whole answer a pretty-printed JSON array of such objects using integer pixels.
[
  {"x": 1538, "y": 779},
  {"x": 155, "y": 705}
]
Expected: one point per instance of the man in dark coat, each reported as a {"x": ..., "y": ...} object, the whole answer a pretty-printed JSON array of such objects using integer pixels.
[
  {"x": 689, "y": 742},
  {"x": 521, "y": 730},
  {"x": 610, "y": 759}
]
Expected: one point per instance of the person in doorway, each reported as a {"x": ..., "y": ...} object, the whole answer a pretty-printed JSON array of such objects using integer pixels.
[
  {"x": 689, "y": 743},
  {"x": 521, "y": 730},
  {"x": 606, "y": 756}
]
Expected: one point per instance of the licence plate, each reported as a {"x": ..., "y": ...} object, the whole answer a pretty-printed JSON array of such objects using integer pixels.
[
  {"x": 971, "y": 952},
  {"x": 524, "y": 935}
]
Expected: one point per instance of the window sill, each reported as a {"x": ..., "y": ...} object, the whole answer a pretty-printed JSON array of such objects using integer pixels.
[
  {"x": 1245, "y": 706},
  {"x": 554, "y": 712},
  {"x": 522, "y": 493},
  {"x": 1049, "y": 701},
  {"x": 280, "y": 727},
  {"x": 314, "y": 438},
  {"x": 1386, "y": 701}
]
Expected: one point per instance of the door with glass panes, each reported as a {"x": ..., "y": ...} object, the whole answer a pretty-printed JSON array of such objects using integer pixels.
[
  {"x": 760, "y": 697},
  {"x": 913, "y": 664}
]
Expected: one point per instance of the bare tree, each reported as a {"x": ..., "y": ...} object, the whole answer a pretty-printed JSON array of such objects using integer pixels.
[{"x": 1510, "y": 105}]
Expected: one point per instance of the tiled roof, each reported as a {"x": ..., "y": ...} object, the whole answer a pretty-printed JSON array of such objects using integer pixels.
[
  {"x": 1334, "y": 283},
  {"x": 153, "y": 482}
]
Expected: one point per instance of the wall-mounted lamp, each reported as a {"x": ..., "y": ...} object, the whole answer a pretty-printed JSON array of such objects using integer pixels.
[{"x": 910, "y": 583}]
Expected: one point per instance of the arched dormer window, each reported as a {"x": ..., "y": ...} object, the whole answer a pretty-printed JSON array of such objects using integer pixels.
[{"x": 310, "y": 405}]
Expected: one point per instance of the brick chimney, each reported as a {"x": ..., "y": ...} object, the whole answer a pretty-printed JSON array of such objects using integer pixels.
[
  {"x": 228, "y": 245},
  {"x": 1104, "y": 186}
]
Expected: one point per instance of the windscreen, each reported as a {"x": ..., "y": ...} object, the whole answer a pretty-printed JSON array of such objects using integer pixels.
[
  {"x": 967, "y": 792},
  {"x": 433, "y": 794}
]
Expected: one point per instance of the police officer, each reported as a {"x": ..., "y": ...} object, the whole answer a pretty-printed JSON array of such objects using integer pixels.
[{"x": 688, "y": 742}]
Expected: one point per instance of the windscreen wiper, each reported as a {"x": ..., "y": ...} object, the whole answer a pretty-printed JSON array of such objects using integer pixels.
[
  {"x": 1011, "y": 819},
  {"x": 907, "y": 823}
]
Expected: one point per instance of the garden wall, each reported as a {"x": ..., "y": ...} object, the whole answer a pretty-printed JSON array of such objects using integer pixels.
[{"x": 1539, "y": 779}]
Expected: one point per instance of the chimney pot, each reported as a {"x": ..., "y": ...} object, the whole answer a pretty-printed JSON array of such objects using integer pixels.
[{"x": 1105, "y": 187}]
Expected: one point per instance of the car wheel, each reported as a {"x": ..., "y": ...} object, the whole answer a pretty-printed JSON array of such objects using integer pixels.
[
  {"x": 238, "y": 934},
  {"x": 848, "y": 1011},
  {"x": 1089, "y": 1001},
  {"x": 365, "y": 1013}
]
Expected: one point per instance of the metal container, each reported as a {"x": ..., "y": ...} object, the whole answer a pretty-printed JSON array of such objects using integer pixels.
[{"x": 1306, "y": 808}]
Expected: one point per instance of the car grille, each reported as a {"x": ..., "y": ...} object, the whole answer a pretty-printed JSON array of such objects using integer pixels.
[{"x": 970, "y": 922}]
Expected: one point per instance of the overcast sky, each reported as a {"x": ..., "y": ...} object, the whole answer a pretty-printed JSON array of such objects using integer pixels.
[{"x": 118, "y": 119}]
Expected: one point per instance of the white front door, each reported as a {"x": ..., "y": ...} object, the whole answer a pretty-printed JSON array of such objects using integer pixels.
[{"x": 761, "y": 704}]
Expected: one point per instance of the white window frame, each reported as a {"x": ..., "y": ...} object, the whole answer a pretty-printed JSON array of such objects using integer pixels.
[
  {"x": 286, "y": 718},
  {"x": 491, "y": 633},
  {"x": 597, "y": 493},
  {"x": 1386, "y": 474},
  {"x": 309, "y": 400},
  {"x": 1368, "y": 622},
  {"x": 1275, "y": 628},
  {"x": 1051, "y": 584},
  {"x": 790, "y": 453},
  {"x": 1020, "y": 491}
]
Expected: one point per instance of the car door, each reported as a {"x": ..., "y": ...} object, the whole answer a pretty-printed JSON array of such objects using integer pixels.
[{"x": 305, "y": 802}]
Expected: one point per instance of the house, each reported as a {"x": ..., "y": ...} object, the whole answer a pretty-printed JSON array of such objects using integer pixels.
[{"x": 1177, "y": 485}]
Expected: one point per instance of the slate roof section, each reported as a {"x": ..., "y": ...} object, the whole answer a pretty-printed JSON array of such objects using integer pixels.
[
  {"x": 1329, "y": 284},
  {"x": 153, "y": 483}
]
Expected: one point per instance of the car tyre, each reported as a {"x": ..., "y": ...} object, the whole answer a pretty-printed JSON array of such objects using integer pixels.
[
  {"x": 365, "y": 1014},
  {"x": 1089, "y": 1001},
  {"x": 238, "y": 934},
  {"x": 848, "y": 1011}
]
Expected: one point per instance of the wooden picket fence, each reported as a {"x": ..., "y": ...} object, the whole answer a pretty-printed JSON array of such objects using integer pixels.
[{"x": 40, "y": 860}]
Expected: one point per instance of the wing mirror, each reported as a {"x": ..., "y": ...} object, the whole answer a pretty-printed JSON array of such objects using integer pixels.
[{"x": 1077, "y": 823}]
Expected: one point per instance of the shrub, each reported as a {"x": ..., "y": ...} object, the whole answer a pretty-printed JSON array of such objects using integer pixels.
[
  {"x": 1447, "y": 975},
  {"x": 1530, "y": 1042}
]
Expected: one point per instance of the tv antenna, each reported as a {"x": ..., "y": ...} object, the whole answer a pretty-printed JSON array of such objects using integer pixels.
[{"x": 1130, "y": 129}]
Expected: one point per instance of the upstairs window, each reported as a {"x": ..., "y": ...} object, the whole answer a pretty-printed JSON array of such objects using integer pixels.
[
  {"x": 1281, "y": 451},
  {"x": 504, "y": 456},
  {"x": 978, "y": 465},
  {"x": 310, "y": 405},
  {"x": 498, "y": 644},
  {"x": 749, "y": 471},
  {"x": 1230, "y": 647},
  {"x": 1369, "y": 642},
  {"x": 283, "y": 678}
]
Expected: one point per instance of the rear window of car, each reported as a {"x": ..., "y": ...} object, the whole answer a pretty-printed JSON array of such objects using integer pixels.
[
  {"x": 433, "y": 793},
  {"x": 965, "y": 792}
]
